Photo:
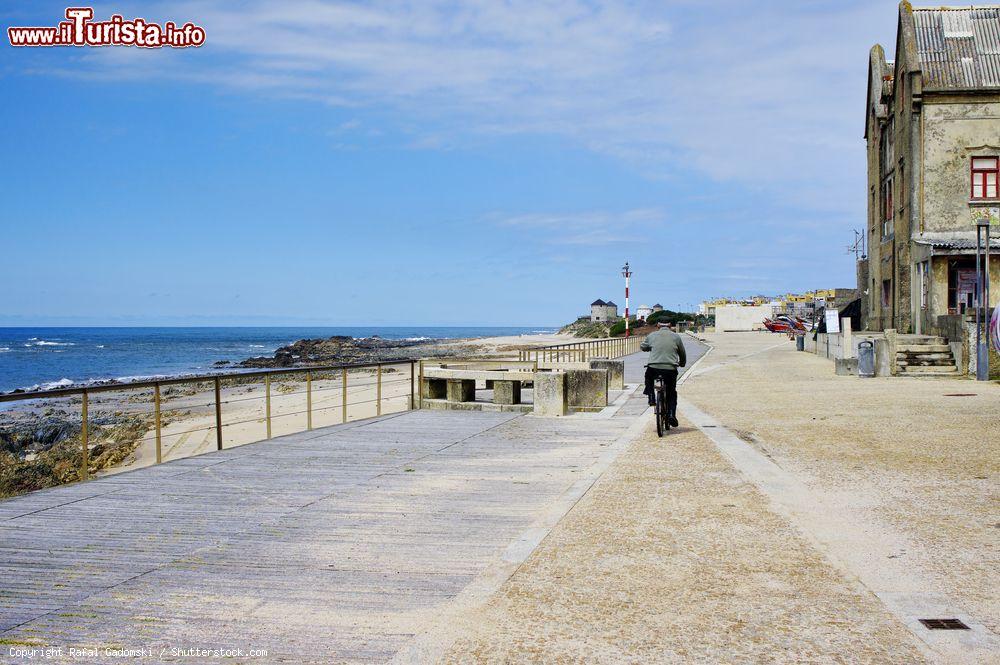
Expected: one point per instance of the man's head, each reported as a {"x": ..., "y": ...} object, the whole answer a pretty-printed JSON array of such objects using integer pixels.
[{"x": 665, "y": 324}]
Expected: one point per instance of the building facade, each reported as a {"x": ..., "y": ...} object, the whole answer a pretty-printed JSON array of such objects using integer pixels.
[
  {"x": 932, "y": 127},
  {"x": 603, "y": 311},
  {"x": 643, "y": 311}
]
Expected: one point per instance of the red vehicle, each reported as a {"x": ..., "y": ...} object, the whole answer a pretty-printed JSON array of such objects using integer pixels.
[{"x": 785, "y": 324}]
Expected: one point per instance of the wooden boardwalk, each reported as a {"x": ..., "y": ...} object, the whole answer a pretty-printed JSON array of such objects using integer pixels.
[{"x": 333, "y": 545}]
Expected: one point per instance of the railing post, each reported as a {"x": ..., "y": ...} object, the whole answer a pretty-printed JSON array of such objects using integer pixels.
[
  {"x": 378, "y": 392},
  {"x": 343, "y": 405},
  {"x": 84, "y": 438},
  {"x": 218, "y": 414},
  {"x": 413, "y": 392},
  {"x": 309, "y": 401},
  {"x": 267, "y": 403},
  {"x": 420, "y": 386},
  {"x": 157, "y": 420}
]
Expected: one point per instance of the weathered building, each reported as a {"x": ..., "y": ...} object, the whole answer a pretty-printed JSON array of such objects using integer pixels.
[
  {"x": 932, "y": 128},
  {"x": 603, "y": 311}
]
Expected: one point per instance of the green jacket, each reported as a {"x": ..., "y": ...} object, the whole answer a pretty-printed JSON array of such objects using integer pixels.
[{"x": 666, "y": 349}]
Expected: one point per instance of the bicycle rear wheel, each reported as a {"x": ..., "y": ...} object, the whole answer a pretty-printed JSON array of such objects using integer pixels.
[{"x": 660, "y": 413}]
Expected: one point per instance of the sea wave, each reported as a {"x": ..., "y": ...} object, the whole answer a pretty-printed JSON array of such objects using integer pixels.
[
  {"x": 4, "y": 349},
  {"x": 34, "y": 341},
  {"x": 417, "y": 339},
  {"x": 49, "y": 385}
]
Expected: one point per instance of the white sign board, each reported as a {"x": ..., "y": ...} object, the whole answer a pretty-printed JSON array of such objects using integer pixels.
[{"x": 832, "y": 321}]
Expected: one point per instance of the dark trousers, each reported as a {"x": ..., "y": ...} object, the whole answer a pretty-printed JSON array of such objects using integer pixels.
[{"x": 669, "y": 381}]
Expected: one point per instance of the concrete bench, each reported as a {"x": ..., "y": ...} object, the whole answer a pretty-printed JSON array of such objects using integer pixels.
[
  {"x": 459, "y": 385},
  {"x": 581, "y": 386},
  {"x": 615, "y": 369}
]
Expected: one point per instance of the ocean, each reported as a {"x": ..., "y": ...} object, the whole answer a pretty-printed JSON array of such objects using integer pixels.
[{"x": 44, "y": 358}]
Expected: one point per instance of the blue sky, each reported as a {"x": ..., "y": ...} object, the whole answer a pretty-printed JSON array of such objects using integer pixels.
[{"x": 431, "y": 162}]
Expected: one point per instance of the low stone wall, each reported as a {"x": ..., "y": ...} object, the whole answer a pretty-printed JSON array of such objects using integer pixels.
[{"x": 844, "y": 347}]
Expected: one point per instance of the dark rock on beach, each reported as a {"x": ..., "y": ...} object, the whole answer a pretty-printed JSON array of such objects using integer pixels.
[{"x": 341, "y": 349}]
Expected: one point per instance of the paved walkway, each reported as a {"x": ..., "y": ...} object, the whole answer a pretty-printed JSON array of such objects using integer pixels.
[
  {"x": 673, "y": 557},
  {"x": 795, "y": 516},
  {"x": 894, "y": 479},
  {"x": 342, "y": 544}
]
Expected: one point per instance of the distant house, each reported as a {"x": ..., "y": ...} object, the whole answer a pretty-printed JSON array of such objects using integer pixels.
[
  {"x": 933, "y": 134},
  {"x": 603, "y": 311},
  {"x": 643, "y": 311},
  {"x": 657, "y": 307}
]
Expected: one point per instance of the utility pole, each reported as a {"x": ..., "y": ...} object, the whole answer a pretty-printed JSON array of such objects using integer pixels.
[{"x": 626, "y": 273}]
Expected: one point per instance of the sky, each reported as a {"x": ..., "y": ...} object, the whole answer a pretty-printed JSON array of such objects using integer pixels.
[{"x": 432, "y": 163}]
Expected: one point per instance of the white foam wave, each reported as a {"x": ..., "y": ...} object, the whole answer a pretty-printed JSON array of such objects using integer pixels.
[
  {"x": 100, "y": 346},
  {"x": 4, "y": 349},
  {"x": 34, "y": 341},
  {"x": 417, "y": 339},
  {"x": 50, "y": 385}
]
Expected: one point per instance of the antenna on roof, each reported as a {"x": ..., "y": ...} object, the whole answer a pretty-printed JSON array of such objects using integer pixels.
[{"x": 858, "y": 246}]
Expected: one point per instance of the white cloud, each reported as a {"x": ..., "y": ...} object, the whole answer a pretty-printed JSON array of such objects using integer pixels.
[
  {"x": 593, "y": 227},
  {"x": 768, "y": 94}
]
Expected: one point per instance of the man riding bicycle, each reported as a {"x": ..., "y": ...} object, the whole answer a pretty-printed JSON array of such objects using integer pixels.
[{"x": 666, "y": 354}]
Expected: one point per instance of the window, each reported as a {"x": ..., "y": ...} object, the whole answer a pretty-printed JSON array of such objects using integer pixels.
[
  {"x": 887, "y": 207},
  {"x": 886, "y": 293},
  {"x": 985, "y": 177},
  {"x": 888, "y": 153},
  {"x": 923, "y": 275},
  {"x": 887, "y": 157}
]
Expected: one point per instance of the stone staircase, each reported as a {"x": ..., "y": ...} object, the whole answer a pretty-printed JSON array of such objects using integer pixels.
[{"x": 923, "y": 355}]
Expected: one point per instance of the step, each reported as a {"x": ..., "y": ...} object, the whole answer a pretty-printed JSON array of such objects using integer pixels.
[
  {"x": 925, "y": 363},
  {"x": 912, "y": 355},
  {"x": 928, "y": 371},
  {"x": 920, "y": 339},
  {"x": 923, "y": 348}
]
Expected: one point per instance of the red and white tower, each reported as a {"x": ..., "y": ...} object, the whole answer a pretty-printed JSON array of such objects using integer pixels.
[{"x": 626, "y": 273}]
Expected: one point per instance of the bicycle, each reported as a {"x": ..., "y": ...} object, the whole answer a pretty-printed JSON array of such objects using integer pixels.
[{"x": 661, "y": 409}]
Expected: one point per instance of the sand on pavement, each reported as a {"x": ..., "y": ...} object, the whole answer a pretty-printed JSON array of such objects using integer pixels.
[
  {"x": 673, "y": 557},
  {"x": 913, "y": 459}
]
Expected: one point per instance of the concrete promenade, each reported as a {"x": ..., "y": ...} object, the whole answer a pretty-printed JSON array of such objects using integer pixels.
[
  {"x": 349, "y": 543},
  {"x": 795, "y": 516}
]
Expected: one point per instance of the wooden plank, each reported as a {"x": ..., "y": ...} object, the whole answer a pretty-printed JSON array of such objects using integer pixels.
[{"x": 332, "y": 545}]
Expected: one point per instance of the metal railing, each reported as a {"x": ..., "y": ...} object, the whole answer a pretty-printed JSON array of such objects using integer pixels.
[
  {"x": 296, "y": 398},
  {"x": 608, "y": 347},
  {"x": 129, "y": 424}
]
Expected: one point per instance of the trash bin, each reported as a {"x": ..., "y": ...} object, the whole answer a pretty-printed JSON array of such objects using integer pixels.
[
  {"x": 800, "y": 342},
  {"x": 866, "y": 359}
]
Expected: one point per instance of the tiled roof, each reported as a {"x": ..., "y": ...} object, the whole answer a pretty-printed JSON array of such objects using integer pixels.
[
  {"x": 598, "y": 303},
  {"x": 963, "y": 240},
  {"x": 959, "y": 48},
  {"x": 610, "y": 304}
]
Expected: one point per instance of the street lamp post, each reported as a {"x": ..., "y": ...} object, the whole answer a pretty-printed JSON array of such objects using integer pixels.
[
  {"x": 626, "y": 273},
  {"x": 982, "y": 299}
]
